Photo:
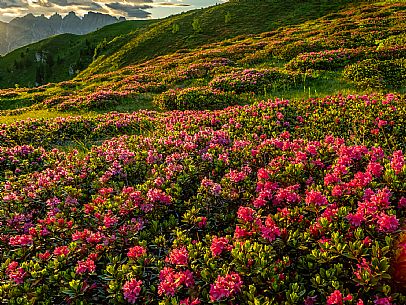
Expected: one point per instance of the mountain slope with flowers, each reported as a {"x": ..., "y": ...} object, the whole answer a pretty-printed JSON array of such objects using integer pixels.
[
  {"x": 262, "y": 169},
  {"x": 61, "y": 57},
  {"x": 133, "y": 42},
  {"x": 364, "y": 52},
  {"x": 200, "y": 27}
]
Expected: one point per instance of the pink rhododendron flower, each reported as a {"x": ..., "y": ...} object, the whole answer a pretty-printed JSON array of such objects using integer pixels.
[
  {"x": 21, "y": 240},
  {"x": 132, "y": 290},
  {"x": 15, "y": 273},
  {"x": 402, "y": 203},
  {"x": 44, "y": 256},
  {"x": 246, "y": 214},
  {"x": 202, "y": 222},
  {"x": 225, "y": 287},
  {"x": 170, "y": 281},
  {"x": 387, "y": 223},
  {"x": 316, "y": 198},
  {"x": 158, "y": 196},
  {"x": 336, "y": 298},
  {"x": 218, "y": 245},
  {"x": 85, "y": 266},
  {"x": 356, "y": 219},
  {"x": 270, "y": 230},
  {"x": 398, "y": 161},
  {"x": 241, "y": 232},
  {"x": 178, "y": 256},
  {"x": 136, "y": 252},
  {"x": 63, "y": 250},
  {"x": 375, "y": 169}
]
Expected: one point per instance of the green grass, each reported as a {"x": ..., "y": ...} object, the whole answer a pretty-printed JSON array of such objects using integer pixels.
[
  {"x": 132, "y": 42},
  {"x": 67, "y": 51},
  {"x": 151, "y": 38},
  {"x": 143, "y": 101},
  {"x": 46, "y": 114},
  {"x": 247, "y": 17}
]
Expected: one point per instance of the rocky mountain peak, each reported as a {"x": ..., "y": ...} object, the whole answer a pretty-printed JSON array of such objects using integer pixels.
[{"x": 29, "y": 29}]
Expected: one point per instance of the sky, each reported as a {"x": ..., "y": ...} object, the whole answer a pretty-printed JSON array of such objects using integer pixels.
[{"x": 131, "y": 9}]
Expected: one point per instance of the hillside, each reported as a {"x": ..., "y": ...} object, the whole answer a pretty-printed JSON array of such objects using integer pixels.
[
  {"x": 264, "y": 168},
  {"x": 171, "y": 34},
  {"x": 212, "y": 24},
  {"x": 59, "y": 57},
  {"x": 365, "y": 51}
]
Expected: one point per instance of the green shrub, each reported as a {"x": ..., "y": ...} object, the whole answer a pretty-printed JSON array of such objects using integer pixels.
[
  {"x": 252, "y": 80},
  {"x": 372, "y": 73},
  {"x": 195, "y": 98}
]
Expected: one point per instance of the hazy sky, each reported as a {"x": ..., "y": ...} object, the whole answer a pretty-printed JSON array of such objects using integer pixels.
[{"x": 131, "y": 9}]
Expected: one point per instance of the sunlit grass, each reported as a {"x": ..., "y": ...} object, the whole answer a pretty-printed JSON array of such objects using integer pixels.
[{"x": 44, "y": 114}]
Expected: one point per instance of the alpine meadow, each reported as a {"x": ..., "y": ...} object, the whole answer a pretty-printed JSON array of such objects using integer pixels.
[{"x": 250, "y": 152}]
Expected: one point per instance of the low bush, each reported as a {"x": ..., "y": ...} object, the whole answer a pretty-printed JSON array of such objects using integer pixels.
[
  {"x": 373, "y": 73},
  {"x": 195, "y": 98},
  {"x": 252, "y": 80}
]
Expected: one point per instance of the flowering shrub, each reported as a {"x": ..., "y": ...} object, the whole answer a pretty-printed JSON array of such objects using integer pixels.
[
  {"x": 62, "y": 130},
  {"x": 195, "y": 98},
  {"x": 272, "y": 203},
  {"x": 278, "y": 202},
  {"x": 96, "y": 100},
  {"x": 131, "y": 290},
  {"x": 325, "y": 60},
  {"x": 201, "y": 70},
  {"x": 251, "y": 80},
  {"x": 373, "y": 73},
  {"x": 339, "y": 58}
]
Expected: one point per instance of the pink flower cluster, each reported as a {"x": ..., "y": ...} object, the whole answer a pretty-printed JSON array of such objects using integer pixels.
[
  {"x": 270, "y": 230},
  {"x": 158, "y": 196},
  {"x": 21, "y": 240},
  {"x": 225, "y": 287},
  {"x": 62, "y": 250},
  {"x": 132, "y": 290},
  {"x": 85, "y": 266},
  {"x": 372, "y": 210},
  {"x": 336, "y": 298},
  {"x": 219, "y": 244},
  {"x": 15, "y": 273},
  {"x": 136, "y": 252},
  {"x": 178, "y": 257},
  {"x": 171, "y": 280},
  {"x": 398, "y": 162},
  {"x": 315, "y": 198}
]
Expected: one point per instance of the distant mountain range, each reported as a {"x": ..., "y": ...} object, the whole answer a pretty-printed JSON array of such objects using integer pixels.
[{"x": 25, "y": 30}]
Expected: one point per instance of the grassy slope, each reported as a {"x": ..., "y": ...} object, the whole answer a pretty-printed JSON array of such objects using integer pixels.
[
  {"x": 68, "y": 48},
  {"x": 345, "y": 28},
  {"x": 127, "y": 45},
  {"x": 246, "y": 17}
]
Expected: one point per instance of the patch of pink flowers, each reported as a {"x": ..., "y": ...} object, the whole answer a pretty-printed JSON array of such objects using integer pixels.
[
  {"x": 136, "y": 252},
  {"x": 178, "y": 256},
  {"x": 336, "y": 298},
  {"x": 219, "y": 244},
  {"x": 15, "y": 273},
  {"x": 225, "y": 287},
  {"x": 132, "y": 290}
]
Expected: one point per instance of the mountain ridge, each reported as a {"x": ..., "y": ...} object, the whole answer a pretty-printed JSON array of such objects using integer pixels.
[{"x": 22, "y": 31}]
